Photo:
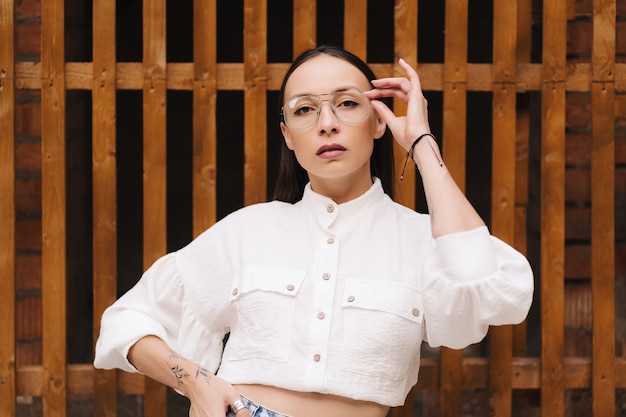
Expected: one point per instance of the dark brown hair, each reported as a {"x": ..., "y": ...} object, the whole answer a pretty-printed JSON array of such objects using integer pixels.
[{"x": 291, "y": 176}]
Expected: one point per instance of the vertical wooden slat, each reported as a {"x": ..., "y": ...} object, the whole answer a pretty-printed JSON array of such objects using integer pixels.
[
  {"x": 104, "y": 189},
  {"x": 304, "y": 21},
  {"x": 7, "y": 209},
  {"x": 355, "y": 27},
  {"x": 454, "y": 145},
  {"x": 552, "y": 207},
  {"x": 405, "y": 46},
  {"x": 53, "y": 208},
  {"x": 154, "y": 161},
  {"x": 603, "y": 208},
  {"x": 503, "y": 187},
  {"x": 204, "y": 121},
  {"x": 524, "y": 36},
  {"x": 255, "y": 73}
]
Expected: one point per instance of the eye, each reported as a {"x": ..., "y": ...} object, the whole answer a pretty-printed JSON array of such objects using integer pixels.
[
  {"x": 303, "y": 106},
  {"x": 304, "y": 110},
  {"x": 347, "y": 101}
]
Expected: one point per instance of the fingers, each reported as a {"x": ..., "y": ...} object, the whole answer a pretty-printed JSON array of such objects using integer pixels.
[
  {"x": 384, "y": 112},
  {"x": 398, "y": 87},
  {"x": 409, "y": 90},
  {"x": 410, "y": 72},
  {"x": 239, "y": 409},
  {"x": 382, "y": 92}
]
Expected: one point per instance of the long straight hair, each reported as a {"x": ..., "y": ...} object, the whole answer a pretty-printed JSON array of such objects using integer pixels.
[{"x": 292, "y": 178}]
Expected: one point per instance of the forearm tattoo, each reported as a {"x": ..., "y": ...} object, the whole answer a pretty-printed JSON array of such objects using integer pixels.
[
  {"x": 179, "y": 372},
  {"x": 203, "y": 373}
]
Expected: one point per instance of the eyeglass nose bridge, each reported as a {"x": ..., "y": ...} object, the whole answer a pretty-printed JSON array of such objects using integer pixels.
[{"x": 330, "y": 103}]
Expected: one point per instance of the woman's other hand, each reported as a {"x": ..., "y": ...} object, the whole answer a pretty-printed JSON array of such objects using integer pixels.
[{"x": 405, "y": 129}]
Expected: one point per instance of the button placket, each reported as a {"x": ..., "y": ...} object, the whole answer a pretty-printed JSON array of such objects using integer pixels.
[{"x": 325, "y": 283}]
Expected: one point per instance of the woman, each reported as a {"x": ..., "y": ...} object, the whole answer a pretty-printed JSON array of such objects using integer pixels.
[{"x": 328, "y": 291}]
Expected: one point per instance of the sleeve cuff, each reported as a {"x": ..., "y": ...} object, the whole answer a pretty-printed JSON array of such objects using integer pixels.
[{"x": 467, "y": 255}]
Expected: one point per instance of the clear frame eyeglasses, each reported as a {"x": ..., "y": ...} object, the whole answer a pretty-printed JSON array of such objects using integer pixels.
[{"x": 350, "y": 106}]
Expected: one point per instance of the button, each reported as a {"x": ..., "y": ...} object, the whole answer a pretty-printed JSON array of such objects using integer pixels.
[
  {"x": 351, "y": 298},
  {"x": 235, "y": 291},
  {"x": 317, "y": 357},
  {"x": 321, "y": 315},
  {"x": 415, "y": 312},
  {"x": 291, "y": 287},
  {"x": 330, "y": 241},
  {"x": 330, "y": 208},
  {"x": 325, "y": 276}
]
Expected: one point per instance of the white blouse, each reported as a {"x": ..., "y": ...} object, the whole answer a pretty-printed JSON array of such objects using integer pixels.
[{"x": 321, "y": 297}]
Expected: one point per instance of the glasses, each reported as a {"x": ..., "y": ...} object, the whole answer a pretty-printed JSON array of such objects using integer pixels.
[{"x": 350, "y": 106}]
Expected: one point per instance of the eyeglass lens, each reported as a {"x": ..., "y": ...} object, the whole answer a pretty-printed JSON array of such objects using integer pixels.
[{"x": 349, "y": 106}]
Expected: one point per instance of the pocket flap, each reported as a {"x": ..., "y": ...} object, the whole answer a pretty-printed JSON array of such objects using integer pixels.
[
  {"x": 263, "y": 278},
  {"x": 398, "y": 299}
]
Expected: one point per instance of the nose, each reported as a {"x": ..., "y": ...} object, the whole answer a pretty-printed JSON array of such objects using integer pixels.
[{"x": 328, "y": 121}]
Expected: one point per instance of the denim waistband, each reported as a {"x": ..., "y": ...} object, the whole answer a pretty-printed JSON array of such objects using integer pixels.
[{"x": 256, "y": 410}]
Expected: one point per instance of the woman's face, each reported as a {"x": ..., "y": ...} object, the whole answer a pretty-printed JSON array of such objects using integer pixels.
[{"x": 335, "y": 155}]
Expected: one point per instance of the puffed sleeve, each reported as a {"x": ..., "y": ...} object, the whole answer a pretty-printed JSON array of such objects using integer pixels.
[
  {"x": 473, "y": 280},
  {"x": 151, "y": 307},
  {"x": 182, "y": 299}
]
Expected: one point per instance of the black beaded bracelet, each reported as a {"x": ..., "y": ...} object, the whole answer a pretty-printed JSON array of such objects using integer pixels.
[{"x": 410, "y": 153}]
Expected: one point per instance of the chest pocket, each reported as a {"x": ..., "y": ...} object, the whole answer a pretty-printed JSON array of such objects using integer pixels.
[
  {"x": 382, "y": 328},
  {"x": 264, "y": 299}
]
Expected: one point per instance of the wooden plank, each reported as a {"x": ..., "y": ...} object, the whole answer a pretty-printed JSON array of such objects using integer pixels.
[
  {"x": 405, "y": 46},
  {"x": 454, "y": 145},
  {"x": 255, "y": 121},
  {"x": 524, "y": 47},
  {"x": 503, "y": 187},
  {"x": 7, "y": 209},
  {"x": 53, "y": 208},
  {"x": 204, "y": 115},
  {"x": 455, "y": 88},
  {"x": 526, "y": 375},
  {"x": 355, "y": 27},
  {"x": 304, "y": 25},
  {"x": 230, "y": 76},
  {"x": 154, "y": 161},
  {"x": 603, "y": 208},
  {"x": 552, "y": 207},
  {"x": 104, "y": 189}
]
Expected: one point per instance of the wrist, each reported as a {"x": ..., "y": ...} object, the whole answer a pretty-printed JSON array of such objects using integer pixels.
[
  {"x": 190, "y": 377},
  {"x": 424, "y": 136},
  {"x": 194, "y": 383}
]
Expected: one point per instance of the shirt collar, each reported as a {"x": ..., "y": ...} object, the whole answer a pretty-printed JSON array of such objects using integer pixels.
[{"x": 321, "y": 205}]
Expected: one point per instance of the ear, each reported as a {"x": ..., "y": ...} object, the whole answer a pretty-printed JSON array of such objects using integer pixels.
[
  {"x": 286, "y": 135},
  {"x": 379, "y": 126}
]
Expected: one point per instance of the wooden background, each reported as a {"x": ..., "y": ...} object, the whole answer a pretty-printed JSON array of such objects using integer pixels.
[{"x": 507, "y": 369}]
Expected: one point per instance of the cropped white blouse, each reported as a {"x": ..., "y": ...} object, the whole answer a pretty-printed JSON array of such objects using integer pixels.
[{"x": 321, "y": 297}]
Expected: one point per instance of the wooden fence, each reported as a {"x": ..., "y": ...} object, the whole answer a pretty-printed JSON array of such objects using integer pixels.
[{"x": 507, "y": 368}]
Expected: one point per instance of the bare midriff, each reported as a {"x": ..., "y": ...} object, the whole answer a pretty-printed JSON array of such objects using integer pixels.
[{"x": 310, "y": 404}]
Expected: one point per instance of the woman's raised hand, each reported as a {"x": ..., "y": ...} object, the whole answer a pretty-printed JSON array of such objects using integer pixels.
[{"x": 405, "y": 129}]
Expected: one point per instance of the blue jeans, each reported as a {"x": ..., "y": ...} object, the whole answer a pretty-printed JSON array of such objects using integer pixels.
[{"x": 256, "y": 410}]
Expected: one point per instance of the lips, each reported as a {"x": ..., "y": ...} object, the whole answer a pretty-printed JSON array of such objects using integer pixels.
[{"x": 333, "y": 148}]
